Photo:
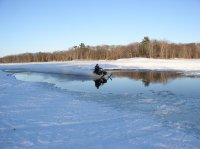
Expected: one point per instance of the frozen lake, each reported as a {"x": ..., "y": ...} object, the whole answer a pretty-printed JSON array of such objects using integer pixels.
[{"x": 144, "y": 109}]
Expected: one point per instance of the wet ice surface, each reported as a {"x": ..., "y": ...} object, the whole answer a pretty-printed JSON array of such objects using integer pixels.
[{"x": 152, "y": 111}]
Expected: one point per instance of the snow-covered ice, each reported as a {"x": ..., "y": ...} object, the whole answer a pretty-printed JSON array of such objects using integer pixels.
[
  {"x": 38, "y": 115},
  {"x": 189, "y": 66}
]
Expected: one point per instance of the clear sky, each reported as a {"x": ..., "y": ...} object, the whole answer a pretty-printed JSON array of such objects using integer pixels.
[{"x": 52, "y": 25}]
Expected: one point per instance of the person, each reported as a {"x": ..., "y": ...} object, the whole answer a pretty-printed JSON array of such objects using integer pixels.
[{"x": 97, "y": 69}]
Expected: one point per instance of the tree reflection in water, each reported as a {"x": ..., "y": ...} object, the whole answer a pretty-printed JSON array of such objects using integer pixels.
[{"x": 149, "y": 77}]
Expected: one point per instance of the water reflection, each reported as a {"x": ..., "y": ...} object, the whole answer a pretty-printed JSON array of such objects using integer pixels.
[
  {"x": 148, "y": 77},
  {"x": 130, "y": 82},
  {"x": 99, "y": 82}
]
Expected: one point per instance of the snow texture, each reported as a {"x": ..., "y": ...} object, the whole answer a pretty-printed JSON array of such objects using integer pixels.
[
  {"x": 41, "y": 116},
  {"x": 37, "y": 115}
]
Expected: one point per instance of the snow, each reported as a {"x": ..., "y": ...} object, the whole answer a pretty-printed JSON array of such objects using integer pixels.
[
  {"x": 52, "y": 118},
  {"x": 40, "y": 116},
  {"x": 188, "y": 66}
]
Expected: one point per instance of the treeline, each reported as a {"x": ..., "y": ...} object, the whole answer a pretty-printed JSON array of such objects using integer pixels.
[{"x": 146, "y": 48}]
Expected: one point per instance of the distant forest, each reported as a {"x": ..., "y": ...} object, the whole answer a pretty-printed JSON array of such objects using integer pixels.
[{"x": 146, "y": 48}]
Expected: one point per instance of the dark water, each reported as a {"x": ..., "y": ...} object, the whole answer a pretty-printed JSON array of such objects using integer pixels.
[{"x": 121, "y": 82}]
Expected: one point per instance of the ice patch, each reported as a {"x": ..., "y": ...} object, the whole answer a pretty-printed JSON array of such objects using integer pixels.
[
  {"x": 27, "y": 143},
  {"x": 148, "y": 101},
  {"x": 43, "y": 142},
  {"x": 166, "y": 110}
]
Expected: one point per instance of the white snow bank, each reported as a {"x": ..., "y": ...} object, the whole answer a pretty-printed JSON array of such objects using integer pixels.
[{"x": 191, "y": 66}]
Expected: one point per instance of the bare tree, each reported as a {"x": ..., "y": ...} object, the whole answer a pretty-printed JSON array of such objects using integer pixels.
[{"x": 146, "y": 48}]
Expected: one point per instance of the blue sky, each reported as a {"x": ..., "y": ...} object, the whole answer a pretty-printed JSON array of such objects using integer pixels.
[{"x": 51, "y": 25}]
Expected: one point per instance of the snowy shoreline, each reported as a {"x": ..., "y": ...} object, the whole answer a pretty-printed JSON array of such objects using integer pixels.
[{"x": 84, "y": 67}]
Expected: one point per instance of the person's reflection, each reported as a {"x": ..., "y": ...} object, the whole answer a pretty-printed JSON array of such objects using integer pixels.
[
  {"x": 100, "y": 82},
  {"x": 146, "y": 82}
]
